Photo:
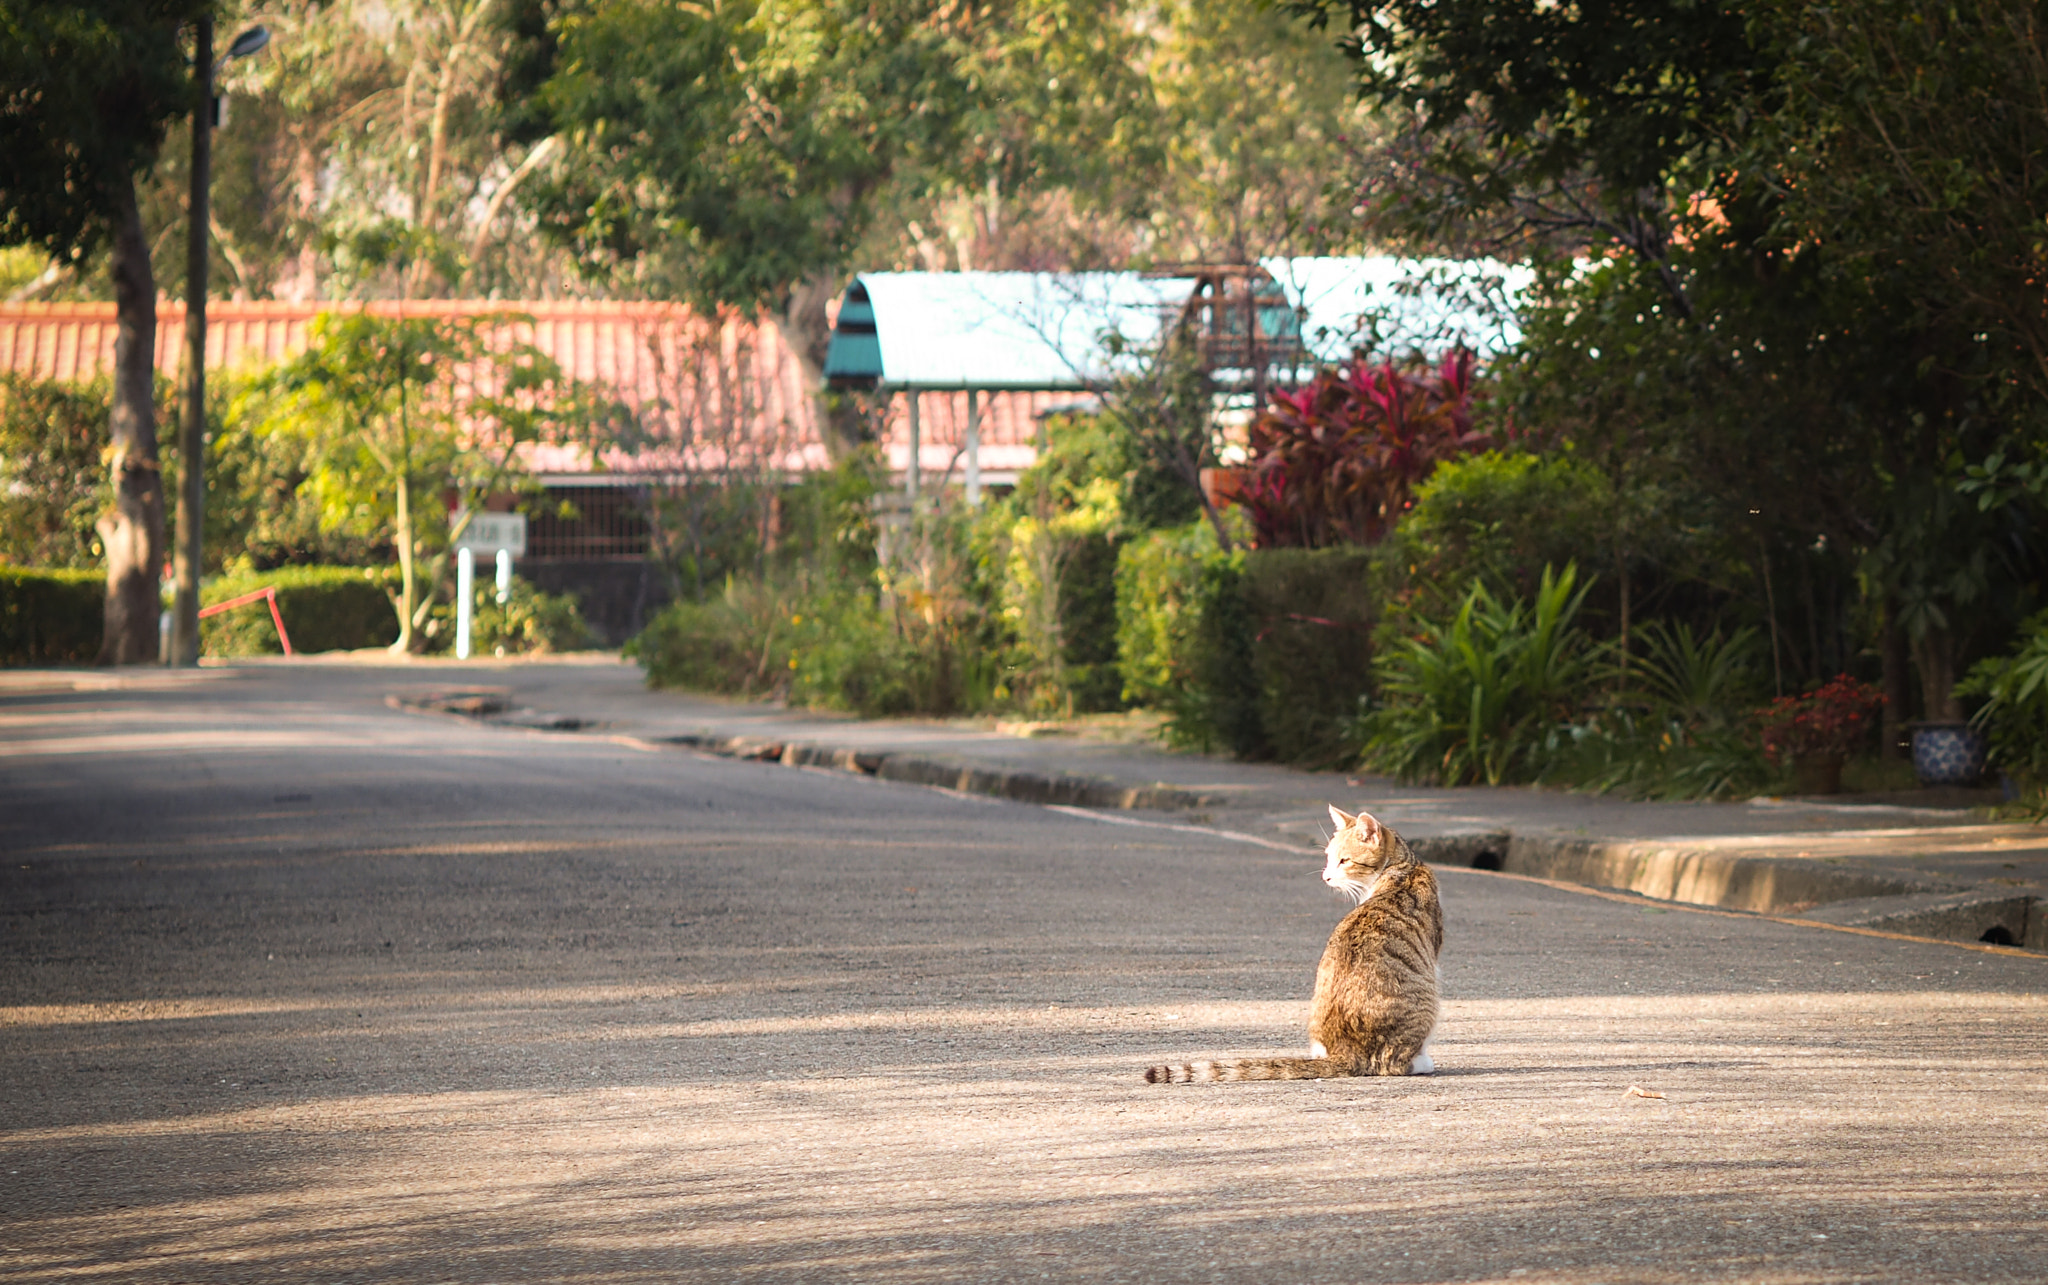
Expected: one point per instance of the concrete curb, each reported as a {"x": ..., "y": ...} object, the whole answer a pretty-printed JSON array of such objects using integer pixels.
[
  {"x": 955, "y": 774},
  {"x": 2005, "y": 918},
  {"x": 1846, "y": 895},
  {"x": 1702, "y": 877}
]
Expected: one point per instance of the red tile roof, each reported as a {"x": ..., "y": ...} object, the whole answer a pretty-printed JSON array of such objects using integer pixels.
[{"x": 688, "y": 378}]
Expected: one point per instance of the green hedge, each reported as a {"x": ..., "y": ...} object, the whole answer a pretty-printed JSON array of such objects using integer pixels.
[
  {"x": 51, "y": 617},
  {"x": 1264, "y": 653},
  {"x": 324, "y": 609},
  {"x": 1311, "y": 615}
]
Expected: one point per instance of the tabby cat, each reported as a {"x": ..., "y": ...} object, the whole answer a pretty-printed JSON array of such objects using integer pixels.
[{"x": 1376, "y": 990}]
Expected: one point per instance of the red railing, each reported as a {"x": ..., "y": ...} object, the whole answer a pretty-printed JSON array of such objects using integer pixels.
[{"x": 268, "y": 592}]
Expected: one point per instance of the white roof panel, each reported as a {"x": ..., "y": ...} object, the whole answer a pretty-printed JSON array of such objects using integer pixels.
[
  {"x": 1022, "y": 330},
  {"x": 1392, "y": 305}
]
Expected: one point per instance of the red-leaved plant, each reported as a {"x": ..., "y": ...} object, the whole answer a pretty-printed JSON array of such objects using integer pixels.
[
  {"x": 1337, "y": 461},
  {"x": 1827, "y": 722}
]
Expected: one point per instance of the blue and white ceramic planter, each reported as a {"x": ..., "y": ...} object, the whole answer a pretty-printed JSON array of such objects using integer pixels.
[{"x": 1948, "y": 753}]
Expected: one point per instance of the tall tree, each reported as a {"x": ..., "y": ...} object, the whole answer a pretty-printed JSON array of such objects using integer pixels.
[
  {"x": 87, "y": 92},
  {"x": 731, "y": 152}
]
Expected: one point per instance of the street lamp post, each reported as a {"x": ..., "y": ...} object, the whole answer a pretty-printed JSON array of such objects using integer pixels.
[{"x": 192, "y": 430}]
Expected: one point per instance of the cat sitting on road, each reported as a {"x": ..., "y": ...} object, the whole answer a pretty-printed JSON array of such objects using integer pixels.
[{"x": 1375, "y": 1005}]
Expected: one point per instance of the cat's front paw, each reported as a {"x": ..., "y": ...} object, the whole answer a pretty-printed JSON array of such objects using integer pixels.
[{"x": 1422, "y": 1065}]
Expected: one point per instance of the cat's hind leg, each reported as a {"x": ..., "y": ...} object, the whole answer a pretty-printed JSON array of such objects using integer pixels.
[{"x": 1424, "y": 1064}]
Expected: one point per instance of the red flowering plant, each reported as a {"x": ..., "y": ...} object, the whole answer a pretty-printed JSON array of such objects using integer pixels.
[
  {"x": 1828, "y": 722},
  {"x": 1337, "y": 460}
]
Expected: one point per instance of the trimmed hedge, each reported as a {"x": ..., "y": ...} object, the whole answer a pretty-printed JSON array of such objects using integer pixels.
[
  {"x": 51, "y": 616},
  {"x": 324, "y": 609},
  {"x": 1311, "y": 616},
  {"x": 1264, "y": 653}
]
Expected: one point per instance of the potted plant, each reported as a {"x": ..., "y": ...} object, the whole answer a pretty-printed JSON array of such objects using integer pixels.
[{"x": 1814, "y": 734}]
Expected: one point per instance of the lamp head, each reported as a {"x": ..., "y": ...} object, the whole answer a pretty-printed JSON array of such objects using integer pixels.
[{"x": 248, "y": 43}]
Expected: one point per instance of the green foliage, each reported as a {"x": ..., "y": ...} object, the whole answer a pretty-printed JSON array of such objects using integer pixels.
[
  {"x": 530, "y": 623},
  {"x": 261, "y": 511},
  {"x": 821, "y": 643},
  {"x": 1507, "y": 93},
  {"x": 1907, "y": 136},
  {"x": 1058, "y": 534},
  {"x": 1263, "y": 653},
  {"x": 50, "y": 616},
  {"x": 1698, "y": 680},
  {"x": 1499, "y": 518},
  {"x": 1311, "y": 612},
  {"x": 1159, "y": 613},
  {"x": 89, "y": 90},
  {"x": 728, "y": 643},
  {"x": 324, "y": 609},
  {"x": 1648, "y": 756},
  {"x": 1680, "y": 729},
  {"x": 731, "y": 146},
  {"x": 2014, "y": 715},
  {"x": 53, "y": 483},
  {"x": 1475, "y": 698},
  {"x": 834, "y": 626},
  {"x": 1336, "y": 461},
  {"x": 386, "y": 409}
]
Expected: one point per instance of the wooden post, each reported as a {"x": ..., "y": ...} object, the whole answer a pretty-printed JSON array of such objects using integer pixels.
[
  {"x": 973, "y": 450},
  {"x": 912, "y": 466}
]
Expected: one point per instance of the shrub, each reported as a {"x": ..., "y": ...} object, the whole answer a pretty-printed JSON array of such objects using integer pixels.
[
  {"x": 1833, "y": 720},
  {"x": 53, "y": 482},
  {"x": 1336, "y": 462},
  {"x": 324, "y": 609},
  {"x": 1648, "y": 756},
  {"x": 1182, "y": 644},
  {"x": 1498, "y": 518},
  {"x": 1264, "y": 653},
  {"x": 1058, "y": 592},
  {"x": 51, "y": 617},
  {"x": 728, "y": 643},
  {"x": 2014, "y": 715},
  {"x": 1476, "y": 698},
  {"x": 530, "y": 622},
  {"x": 1311, "y": 616},
  {"x": 823, "y": 643},
  {"x": 1679, "y": 731}
]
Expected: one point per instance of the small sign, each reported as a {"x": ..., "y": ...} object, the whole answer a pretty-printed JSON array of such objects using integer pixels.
[{"x": 490, "y": 532}]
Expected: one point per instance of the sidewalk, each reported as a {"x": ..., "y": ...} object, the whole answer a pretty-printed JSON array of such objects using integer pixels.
[{"x": 1931, "y": 871}]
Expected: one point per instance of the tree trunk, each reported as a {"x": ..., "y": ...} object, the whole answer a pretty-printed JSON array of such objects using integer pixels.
[
  {"x": 132, "y": 530},
  {"x": 808, "y": 332},
  {"x": 1934, "y": 654},
  {"x": 1897, "y": 695}
]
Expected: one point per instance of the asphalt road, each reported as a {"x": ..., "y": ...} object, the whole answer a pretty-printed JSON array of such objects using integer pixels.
[{"x": 294, "y": 986}]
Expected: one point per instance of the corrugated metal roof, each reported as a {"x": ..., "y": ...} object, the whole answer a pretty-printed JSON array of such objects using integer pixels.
[
  {"x": 1045, "y": 331},
  {"x": 1035, "y": 331}
]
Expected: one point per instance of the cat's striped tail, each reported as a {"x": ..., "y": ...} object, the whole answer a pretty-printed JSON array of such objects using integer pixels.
[{"x": 1266, "y": 1068}]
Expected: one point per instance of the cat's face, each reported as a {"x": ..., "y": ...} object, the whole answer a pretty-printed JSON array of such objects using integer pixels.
[{"x": 1359, "y": 853}]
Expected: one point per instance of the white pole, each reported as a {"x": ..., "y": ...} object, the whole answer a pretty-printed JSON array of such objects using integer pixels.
[
  {"x": 973, "y": 450},
  {"x": 912, "y": 468},
  {"x": 465, "y": 594},
  {"x": 504, "y": 576}
]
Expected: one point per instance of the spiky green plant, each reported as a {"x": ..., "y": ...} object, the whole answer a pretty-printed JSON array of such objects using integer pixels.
[{"x": 1474, "y": 699}]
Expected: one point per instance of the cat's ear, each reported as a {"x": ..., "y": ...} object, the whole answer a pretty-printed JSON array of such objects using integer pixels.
[{"x": 1339, "y": 817}]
